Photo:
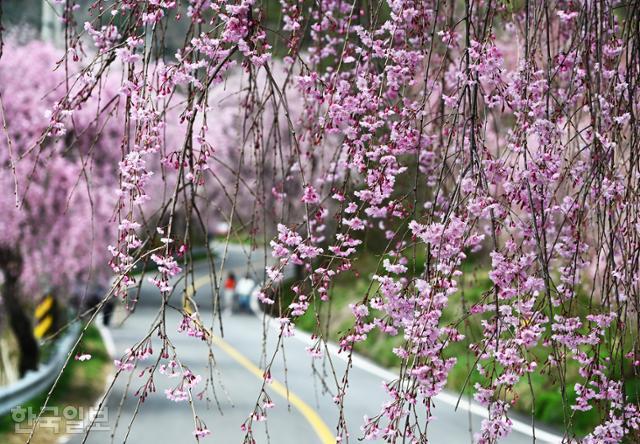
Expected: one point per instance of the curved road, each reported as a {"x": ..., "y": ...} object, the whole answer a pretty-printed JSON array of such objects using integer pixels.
[{"x": 304, "y": 411}]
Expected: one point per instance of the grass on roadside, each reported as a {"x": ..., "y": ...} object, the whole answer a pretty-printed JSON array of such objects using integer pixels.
[
  {"x": 80, "y": 385},
  {"x": 542, "y": 390}
]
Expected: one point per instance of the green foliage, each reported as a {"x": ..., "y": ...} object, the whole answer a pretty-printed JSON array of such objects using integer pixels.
[{"x": 541, "y": 392}]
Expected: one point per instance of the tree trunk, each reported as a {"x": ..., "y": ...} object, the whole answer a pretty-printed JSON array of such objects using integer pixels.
[{"x": 11, "y": 265}]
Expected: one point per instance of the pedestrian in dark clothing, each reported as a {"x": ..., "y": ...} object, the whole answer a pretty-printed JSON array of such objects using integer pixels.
[{"x": 107, "y": 311}]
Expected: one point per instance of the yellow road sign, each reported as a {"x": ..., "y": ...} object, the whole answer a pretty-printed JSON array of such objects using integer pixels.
[
  {"x": 43, "y": 327},
  {"x": 44, "y": 316},
  {"x": 44, "y": 306}
]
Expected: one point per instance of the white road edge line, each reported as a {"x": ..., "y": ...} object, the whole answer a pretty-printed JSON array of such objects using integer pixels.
[{"x": 444, "y": 397}]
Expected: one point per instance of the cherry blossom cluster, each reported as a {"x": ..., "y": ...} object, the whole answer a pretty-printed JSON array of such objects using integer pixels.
[{"x": 432, "y": 134}]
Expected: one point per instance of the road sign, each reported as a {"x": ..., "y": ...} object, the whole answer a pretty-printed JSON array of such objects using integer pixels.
[{"x": 45, "y": 312}]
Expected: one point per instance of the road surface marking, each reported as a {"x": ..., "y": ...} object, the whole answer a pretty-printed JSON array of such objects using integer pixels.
[
  {"x": 318, "y": 425},
  {"x": 321, "y": 429},
  {"x": 444, "y": 397},
  {"x": 100, "y": 405},
  {"x": 374, "y": 369}
]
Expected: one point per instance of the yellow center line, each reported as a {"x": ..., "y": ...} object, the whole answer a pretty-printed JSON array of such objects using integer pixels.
[{"x": 312, "y": 417}]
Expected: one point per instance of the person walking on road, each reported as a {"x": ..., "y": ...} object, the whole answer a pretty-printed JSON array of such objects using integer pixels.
[
  {"x": 242, "y": 296},
  {"x": 229, "y": 290},
  {"x": 107, "y": 311}
]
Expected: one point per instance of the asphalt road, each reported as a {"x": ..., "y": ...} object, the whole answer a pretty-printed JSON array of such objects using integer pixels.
[{"x": 304, "y": 411}]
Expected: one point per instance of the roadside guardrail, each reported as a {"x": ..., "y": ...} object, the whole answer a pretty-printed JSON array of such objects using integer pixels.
[{"x": 37, "y": 382}]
